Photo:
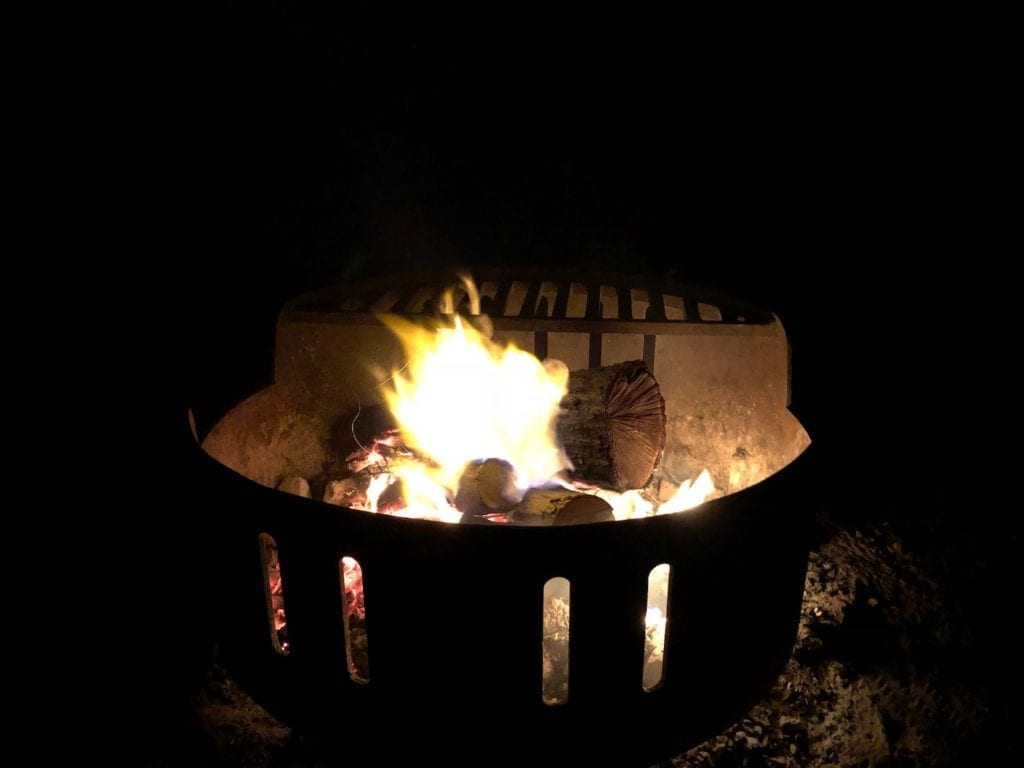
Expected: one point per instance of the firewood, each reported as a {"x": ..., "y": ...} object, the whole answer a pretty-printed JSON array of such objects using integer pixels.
[
  {"x": 612, "y": 425},
  {"x": 487, "y": 487},
  {"x": 558, "y": 506}
]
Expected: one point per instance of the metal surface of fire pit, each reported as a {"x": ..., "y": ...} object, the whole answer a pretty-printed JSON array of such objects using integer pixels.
[{"x": 453, "y": 612}]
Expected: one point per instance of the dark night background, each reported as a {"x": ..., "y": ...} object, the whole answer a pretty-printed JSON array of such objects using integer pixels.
[{"x": 197, "y": 166}]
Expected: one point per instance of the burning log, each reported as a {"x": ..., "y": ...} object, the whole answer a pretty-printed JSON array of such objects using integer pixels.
[
  {"x": 612, "y": 427},
  {"x": 558, "y": 506},
  {"x": 613, "y": 424},
  {"x": 487, "y": 487}
]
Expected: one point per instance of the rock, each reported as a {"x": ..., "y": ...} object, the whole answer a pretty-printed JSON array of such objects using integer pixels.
[{"x": 295, "y": 485}]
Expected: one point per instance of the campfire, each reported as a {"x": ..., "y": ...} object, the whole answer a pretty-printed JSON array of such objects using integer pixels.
[
  {"x": 534, "y": 416},
  {"x": 482, "y": 432},
  {"x": 479, "y": 431}
]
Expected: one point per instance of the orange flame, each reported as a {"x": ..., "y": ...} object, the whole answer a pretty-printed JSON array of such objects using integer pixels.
[{"x": 691, "y": 493}]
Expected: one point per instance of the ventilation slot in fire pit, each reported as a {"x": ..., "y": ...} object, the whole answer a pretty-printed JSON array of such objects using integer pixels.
[
  {"x": 354, "y": 613},
  {"x": 655, "y": 626},
  {"x": 555, "y": 644},
  {"x": 274, "y": 590}
]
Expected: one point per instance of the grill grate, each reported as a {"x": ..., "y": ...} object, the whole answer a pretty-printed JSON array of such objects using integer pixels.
[{"x": 551, "y": 297}]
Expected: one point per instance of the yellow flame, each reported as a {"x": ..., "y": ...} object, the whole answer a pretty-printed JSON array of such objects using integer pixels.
[
  {"x": 463, "y": 398},
  {"x": 632, "y": 504},
  {"x": 422, "y": 495},
  {"x": 627, "y": 505},
  {"x": 378, "y": 484},
  {"x": 691, "y": 493}
]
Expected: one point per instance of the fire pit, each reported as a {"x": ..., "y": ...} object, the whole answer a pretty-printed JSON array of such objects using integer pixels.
[{"x": 617, "y": 642}]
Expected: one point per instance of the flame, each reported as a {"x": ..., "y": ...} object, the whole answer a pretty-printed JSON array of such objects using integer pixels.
[
  {"x": 352, "y": 575},
  {"x": 463, "y": 398},
  {"x": 691, "y": 493},
  {"x": 354, "y": 605},
  {"x": 378, "y": 484},
  {"x": 423, "y": 496},
  {"x": 632, "y": 504},
  {"x": 627, "y": 505}
]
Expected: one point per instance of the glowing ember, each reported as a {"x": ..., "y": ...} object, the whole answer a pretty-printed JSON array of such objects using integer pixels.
[
  {"x": 423, "y": 495},
  {"x": 352, "y": 575},
  {"x": 354, "y": 614},
  {"x": 378, "y": 484},
  {"x": 627, "y": 505},
  {"x": 655, "y": 624}
]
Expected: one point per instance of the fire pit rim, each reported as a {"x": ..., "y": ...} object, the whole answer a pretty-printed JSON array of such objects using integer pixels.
[{"x": 319, "y": 507}]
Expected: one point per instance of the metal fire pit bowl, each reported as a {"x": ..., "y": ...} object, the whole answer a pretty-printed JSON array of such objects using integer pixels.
[{"x": 454, "y": 612}]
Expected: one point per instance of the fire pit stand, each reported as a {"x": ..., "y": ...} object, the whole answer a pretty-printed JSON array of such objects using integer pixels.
[{"x": 453, "y": 612}]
